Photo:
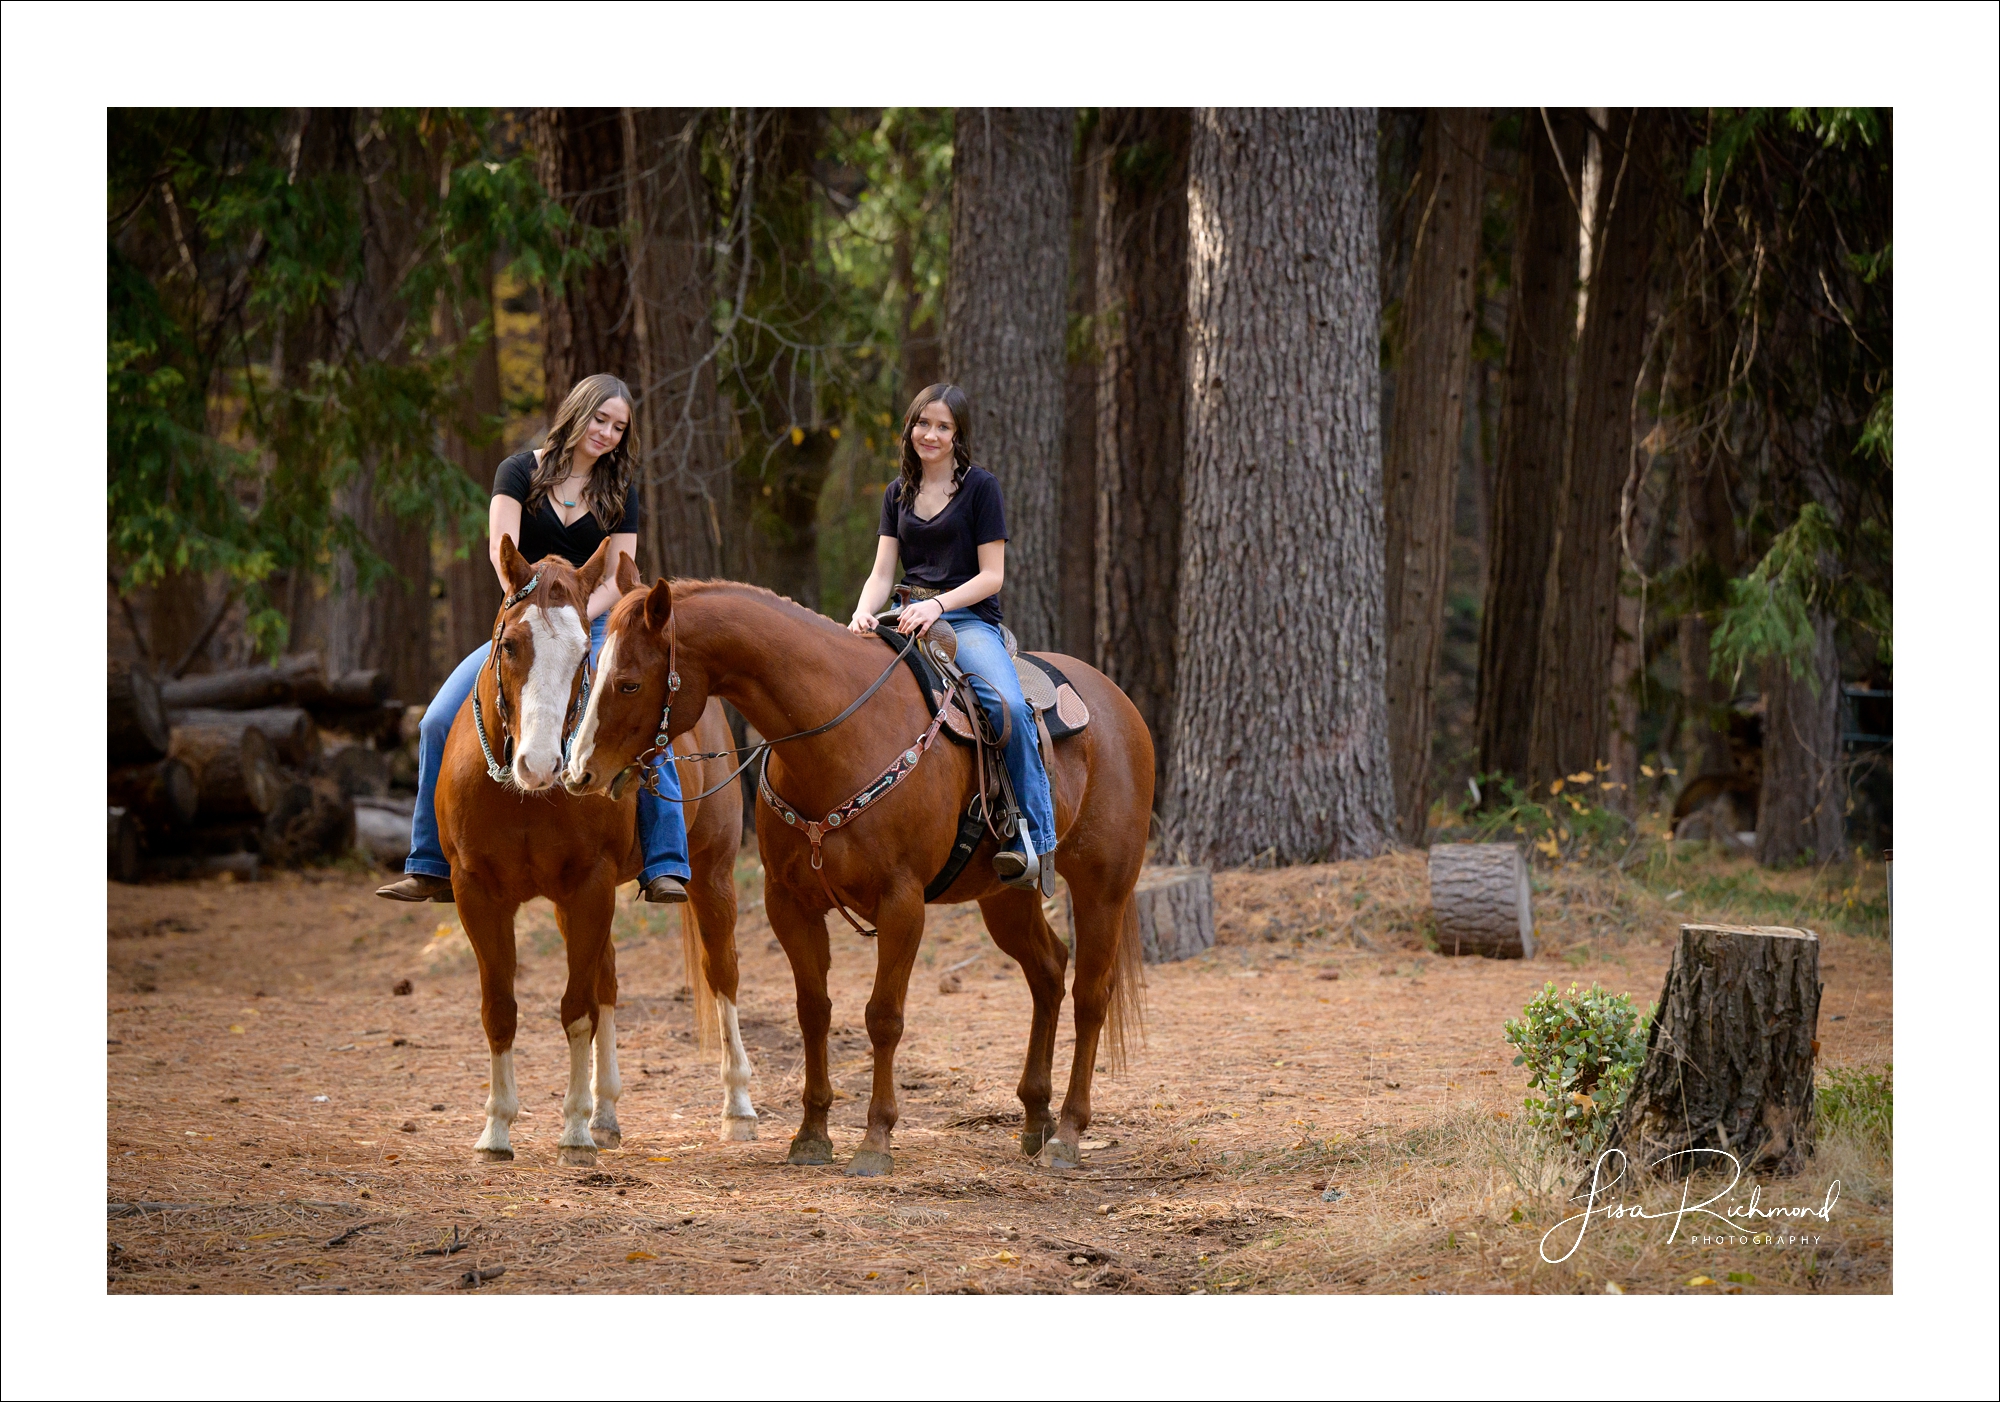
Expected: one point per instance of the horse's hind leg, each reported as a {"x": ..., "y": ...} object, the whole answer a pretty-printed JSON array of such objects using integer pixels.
[
  {"x": 585, "y": 921},
  {"x": 1100, "y": 930},
  {"x": 1014, "y": 919},
  {"x": 489, "y": 924},
  {"x": 605, "y": 1085},
  {"x": 712, "y": 898}
]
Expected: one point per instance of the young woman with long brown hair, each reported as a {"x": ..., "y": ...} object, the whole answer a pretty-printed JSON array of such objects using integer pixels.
[
  {"x": 563, "y": 498},
  {"x": 943, "y": 517}
]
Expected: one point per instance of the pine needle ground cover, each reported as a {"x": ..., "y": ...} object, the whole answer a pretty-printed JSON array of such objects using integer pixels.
[{"x": 1322, "y": 1104}]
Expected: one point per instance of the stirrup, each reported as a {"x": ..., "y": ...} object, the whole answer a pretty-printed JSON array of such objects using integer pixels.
[{"x": 1021, "y": 870}]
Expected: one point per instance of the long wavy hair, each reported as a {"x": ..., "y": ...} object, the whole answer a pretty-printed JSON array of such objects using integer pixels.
[
  {"x": 953, "y": 398},
  {"x": 611, "y": 478}
]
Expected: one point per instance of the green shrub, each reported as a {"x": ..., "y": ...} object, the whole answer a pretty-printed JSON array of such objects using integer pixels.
[
  {"x": 1862, "y": 1103},
  {"x": 1582, "y": 1051}
]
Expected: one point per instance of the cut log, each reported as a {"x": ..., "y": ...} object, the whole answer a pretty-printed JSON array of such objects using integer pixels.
[
  {"x": 358, "y": 770},
  {"x": 358, "y": 689},
  {"x": 1176, "y": 907},
  {"x": 1729, "y": 1060},
  {"x": 1480, "y": 898},
  {"x": 311, "y": 821},
  {"x": 292, "y": 681},
  {"x": 382, "y": 723},
  {"x": 124, "y": 846},
  {"x": 383, "y": 833},
  {"x": 234, "y": 769},
  {"x": 161, "y": 795},
  {"x": 137, "y": 721},
  {"x": 293, "y": 736}
]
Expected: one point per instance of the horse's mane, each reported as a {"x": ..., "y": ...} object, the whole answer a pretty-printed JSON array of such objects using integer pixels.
[{"x": 753, "y": 593}]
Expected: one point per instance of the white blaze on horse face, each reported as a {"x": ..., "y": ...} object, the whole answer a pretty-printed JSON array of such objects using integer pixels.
[
  {"x": 586, "y": 730},
  {"x": 739, "y": 1117},
  {"x": 503, "y": 1103},
  {"x": 560, "y": 645}
]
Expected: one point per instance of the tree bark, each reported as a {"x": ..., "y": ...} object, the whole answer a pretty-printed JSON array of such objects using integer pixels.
[
  {"x": 1572, "y": 713},
  {"x": 298, "y": 678},
  {"x": 1708, "y": 544},
  {"x": 136, "y": 725},
  {"x": 472, "y": 593},
  {"x": 683, "y": 439},
  {"x": 1142, "y": 277},
  {"x": 161, "y": 795},
  {"x": 1176, "y": 912},
  {"x": 1076, "y": 587},
  {"x": 1279, "y": 738},
  {"x": 587, "y": 325},
  {"x": 1005, "y": 311},
  {"x": 1480, "y": 897},
  {"x": 234, "y": 769},
  {"x": 1533, "y": 424},
  {"x": 1801, "y": 813},
  {"x": 1729, "y": 1059},
  {"x": 293, "y": 736},
  {"x": 310, "y": 820},
  {"x": 1421, "y": 454}
]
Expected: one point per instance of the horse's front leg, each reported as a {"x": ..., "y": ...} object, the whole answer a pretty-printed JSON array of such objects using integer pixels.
[
  {"x": 801, "y": 931},
  {"x": 584, "y": 917},
  {"x": 489, "y": 924},
  {"x": 712, "y": 901},
  {"x": 605, "y": 1086},
  {"x": 899, "y": 923}
]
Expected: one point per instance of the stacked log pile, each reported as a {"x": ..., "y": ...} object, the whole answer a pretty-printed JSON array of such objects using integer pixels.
[{"x": 256, "y": 765}]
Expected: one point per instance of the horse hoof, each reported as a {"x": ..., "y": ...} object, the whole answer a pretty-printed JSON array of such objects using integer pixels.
[
  {"x": 1056, "y": 1154},
  {"x": 1033, "y": 1139},
  {"x": 810, "y": 1153},
  {"x": 870, "y": 1163},
  {"x": 496, "y": 1155},
  {"x": 738, "y": 1129},
  {"x": 577, "y": 1156},
  {"x": 607, "y": 1138}
]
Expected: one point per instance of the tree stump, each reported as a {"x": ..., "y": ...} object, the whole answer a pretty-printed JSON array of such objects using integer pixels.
[
  {"x": 382, "y": 829},
  {"x": 161, "y": 795},
  {"x": 1729, "y": 1060},
  {"x": 290, "y": 730},
  {"x": 123, "y": 845},
  {"x": 1481, "y": 900},
  {"x": 234, "y": 769},
  {"x": 1176, "y": 908},
  {"x": 137, "y": 721}
]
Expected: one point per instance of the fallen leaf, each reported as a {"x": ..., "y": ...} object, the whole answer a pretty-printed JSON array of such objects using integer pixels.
[
  {"x": 1006, "y": 1258},
  {"x": 1612, "y": 1287},
  {"x": 1699, "y": 1280},
  {"x": 640, "y": 1256},
  {"x": 660, "y": 1158},
  {"x": 871, "y": 1275},
  {"x": 237, "y": 1028}
]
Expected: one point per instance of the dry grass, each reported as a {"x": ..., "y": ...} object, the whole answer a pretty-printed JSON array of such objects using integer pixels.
[{"x": 1320, "y": 1044}]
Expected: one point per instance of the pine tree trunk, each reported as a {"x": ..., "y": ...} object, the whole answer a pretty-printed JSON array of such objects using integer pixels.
[
  {"x": 471, "y": 591},
  {"x": 1077, "y": 586},
  {"x": 1005, "y": 315},
  {"x": 1533, "y": 423},
  {"x": 587, "y": 326},
  {"x": 1141, "y": 250},
  {"x": 1802, "y": 811},
  {"x": 1709, "y": 555},
  {"x": 1421, "y": 454},
  {"x": 683, "y": 442},
  {"x": 1280, "y": 741},
  {"x": 1572, "y": 714},
  {"x": 1729, "y": 1060}
]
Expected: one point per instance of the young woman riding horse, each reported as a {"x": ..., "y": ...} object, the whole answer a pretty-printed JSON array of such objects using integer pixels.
[
  {"x": 565, "y": 498},
  {"x": 841, "y": 707}
]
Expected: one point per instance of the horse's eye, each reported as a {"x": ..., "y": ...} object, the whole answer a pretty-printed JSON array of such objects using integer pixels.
[
  {"x": 507, "y": 647},
  {"x": 629, "y": 688}
]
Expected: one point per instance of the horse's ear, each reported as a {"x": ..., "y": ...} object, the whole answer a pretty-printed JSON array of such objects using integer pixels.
[
  {"x": 592, "y": 573},
  {"x": 628, "y": 574},
  {"x": 514, "y": 564},
  {"x": 659, "y": 605}
]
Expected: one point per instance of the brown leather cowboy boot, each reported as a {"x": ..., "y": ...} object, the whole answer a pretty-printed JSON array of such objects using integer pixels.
[
  {"x": 666, "y": 890},
  {"x": 1017, "y": 869},
  {"x": 418, "y": 887}
]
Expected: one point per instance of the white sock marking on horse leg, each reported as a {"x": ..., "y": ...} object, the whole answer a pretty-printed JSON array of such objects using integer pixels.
[
  {"x": 576, "y": 1104},
  {"x": 586, "y": 730},
  {"x": 503, "y": 1103},
  {"x": 739, "y": 1117},
  {"x": 605, "y": 1087}
]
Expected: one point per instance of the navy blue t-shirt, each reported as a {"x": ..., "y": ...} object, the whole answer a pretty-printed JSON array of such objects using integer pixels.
[
  {"x": 943, "y": 552},
  {"x": 542, "y": 531}
]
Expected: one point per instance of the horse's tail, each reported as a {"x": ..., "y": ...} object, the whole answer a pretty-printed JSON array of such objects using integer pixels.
[
  {"x": 1125, "y": 1020},
  {"x": 707, "y": 1023}
]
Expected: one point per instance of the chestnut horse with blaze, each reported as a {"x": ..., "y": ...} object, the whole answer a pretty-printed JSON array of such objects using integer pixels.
[
  {"x": 787, "y": 670},
  {"x": 511, "y": 834}
]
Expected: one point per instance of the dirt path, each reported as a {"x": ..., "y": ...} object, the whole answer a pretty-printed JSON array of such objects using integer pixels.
[{"x": 280, "y": 1120}]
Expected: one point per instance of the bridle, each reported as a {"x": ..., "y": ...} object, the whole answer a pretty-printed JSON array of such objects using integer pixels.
[{"x": 498, "y": 769}]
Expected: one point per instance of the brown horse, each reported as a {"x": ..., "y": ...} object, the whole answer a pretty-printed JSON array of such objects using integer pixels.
[
  {"x": 511, "y": 834},
  {"x": 787, "y": 670}
]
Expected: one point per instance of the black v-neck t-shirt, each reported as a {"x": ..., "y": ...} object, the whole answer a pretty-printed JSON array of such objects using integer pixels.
[
  {"x": 943, "y": 552},
  {"x": 542, "y": 531}
]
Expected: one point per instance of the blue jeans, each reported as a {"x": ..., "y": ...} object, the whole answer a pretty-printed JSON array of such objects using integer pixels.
[
  {"x": 662, "y": 825},
  {"x": 980, "y": 650}
]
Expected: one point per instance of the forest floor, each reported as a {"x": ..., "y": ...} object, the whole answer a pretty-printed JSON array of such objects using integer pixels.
[{"x": 1322, "y": 1104}]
